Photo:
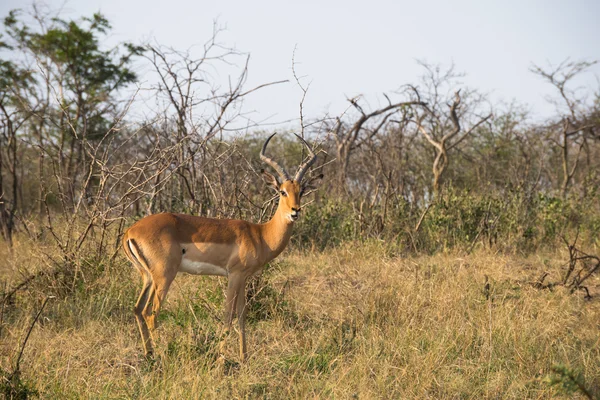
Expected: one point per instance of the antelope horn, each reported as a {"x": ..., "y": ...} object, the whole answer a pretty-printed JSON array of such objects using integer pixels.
[
  {"x": 282, "y": 174},
  {"x": 305, "y": 166}
]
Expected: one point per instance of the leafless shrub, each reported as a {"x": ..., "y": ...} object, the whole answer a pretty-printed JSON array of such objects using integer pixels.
[{"x": 580, "y": 267}]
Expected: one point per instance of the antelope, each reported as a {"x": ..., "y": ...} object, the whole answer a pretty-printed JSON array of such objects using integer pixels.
[{"x": 162, "y": 245}]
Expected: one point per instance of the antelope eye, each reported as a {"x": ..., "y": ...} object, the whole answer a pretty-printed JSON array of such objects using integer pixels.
[{"x": 283, "y": 193}]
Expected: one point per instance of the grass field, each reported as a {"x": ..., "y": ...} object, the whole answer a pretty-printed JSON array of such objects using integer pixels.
[{"x": 352, "y": 322}]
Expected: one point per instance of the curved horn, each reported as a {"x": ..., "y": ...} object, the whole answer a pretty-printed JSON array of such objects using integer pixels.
[
  {"x": 305, "y": 166},
  {"x": 282, "y": 174}
]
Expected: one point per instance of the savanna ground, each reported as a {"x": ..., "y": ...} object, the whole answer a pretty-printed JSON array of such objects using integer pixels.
[{"x": 357, "y": 321}]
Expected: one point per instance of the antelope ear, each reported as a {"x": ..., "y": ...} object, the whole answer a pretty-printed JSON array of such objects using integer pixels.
[
  {"x": 310, "y": 184},
  {"x": 270, "y": 179}
]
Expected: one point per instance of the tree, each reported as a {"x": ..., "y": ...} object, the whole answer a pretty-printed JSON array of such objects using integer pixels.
[
  {"x": 443, "y": 129},
  {"x": 74, "y": 97},
  {"x": 14, "y": 81},
  {"x": 353, "y": 133},
  {"x": 574, "y": 127},
  {"x": 199, "y": 110}
]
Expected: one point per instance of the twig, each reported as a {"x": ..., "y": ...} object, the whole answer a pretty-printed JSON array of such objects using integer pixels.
[
  {"x": 16, "y": 369},
  {"x": 422, "y": 217}
]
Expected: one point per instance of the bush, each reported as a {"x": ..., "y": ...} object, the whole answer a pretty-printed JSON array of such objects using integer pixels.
[{"x": 512, "y": 221}]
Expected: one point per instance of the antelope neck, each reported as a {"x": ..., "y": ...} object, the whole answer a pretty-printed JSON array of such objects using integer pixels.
[{"x": 277, "y": 232}]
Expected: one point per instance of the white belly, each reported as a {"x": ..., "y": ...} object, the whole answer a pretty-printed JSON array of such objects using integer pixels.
[{"x": 201, "y": 268}]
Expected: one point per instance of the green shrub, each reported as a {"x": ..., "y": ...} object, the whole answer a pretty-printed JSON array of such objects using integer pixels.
[{"x": 513, "y": 220}]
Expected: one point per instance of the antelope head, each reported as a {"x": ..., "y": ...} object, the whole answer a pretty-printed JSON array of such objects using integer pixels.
[{"x": 290, "y": 190}]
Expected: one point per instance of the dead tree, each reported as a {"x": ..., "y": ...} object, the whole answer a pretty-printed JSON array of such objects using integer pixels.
[
  {"x": 574, "y": 129},
  {"x": 443, "y": 137},
  {"x": 198, "y": 109},
  {"x": 351, "y": 135},
  {"x": 443, "y": 129}
]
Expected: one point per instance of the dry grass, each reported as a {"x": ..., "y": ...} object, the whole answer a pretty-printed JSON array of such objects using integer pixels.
[{"x": 348, "y": 323}]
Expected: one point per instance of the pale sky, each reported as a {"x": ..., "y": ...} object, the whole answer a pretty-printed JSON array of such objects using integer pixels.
[{"x": 345, "y": 48}]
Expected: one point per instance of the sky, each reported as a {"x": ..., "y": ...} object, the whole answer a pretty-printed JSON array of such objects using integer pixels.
[{"x": 349, "y": 48}]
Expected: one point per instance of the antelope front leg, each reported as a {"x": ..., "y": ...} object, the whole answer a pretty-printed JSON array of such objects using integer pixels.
[
  {"x": 230, "y": 300},
  {"x": 241, "y": 313}
]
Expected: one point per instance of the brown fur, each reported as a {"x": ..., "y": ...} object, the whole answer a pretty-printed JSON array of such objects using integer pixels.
[{"x": 157, "y": 244}]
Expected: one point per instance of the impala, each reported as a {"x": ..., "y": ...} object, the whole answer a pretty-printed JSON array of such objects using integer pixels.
[{"x": 162, "y": 245}]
